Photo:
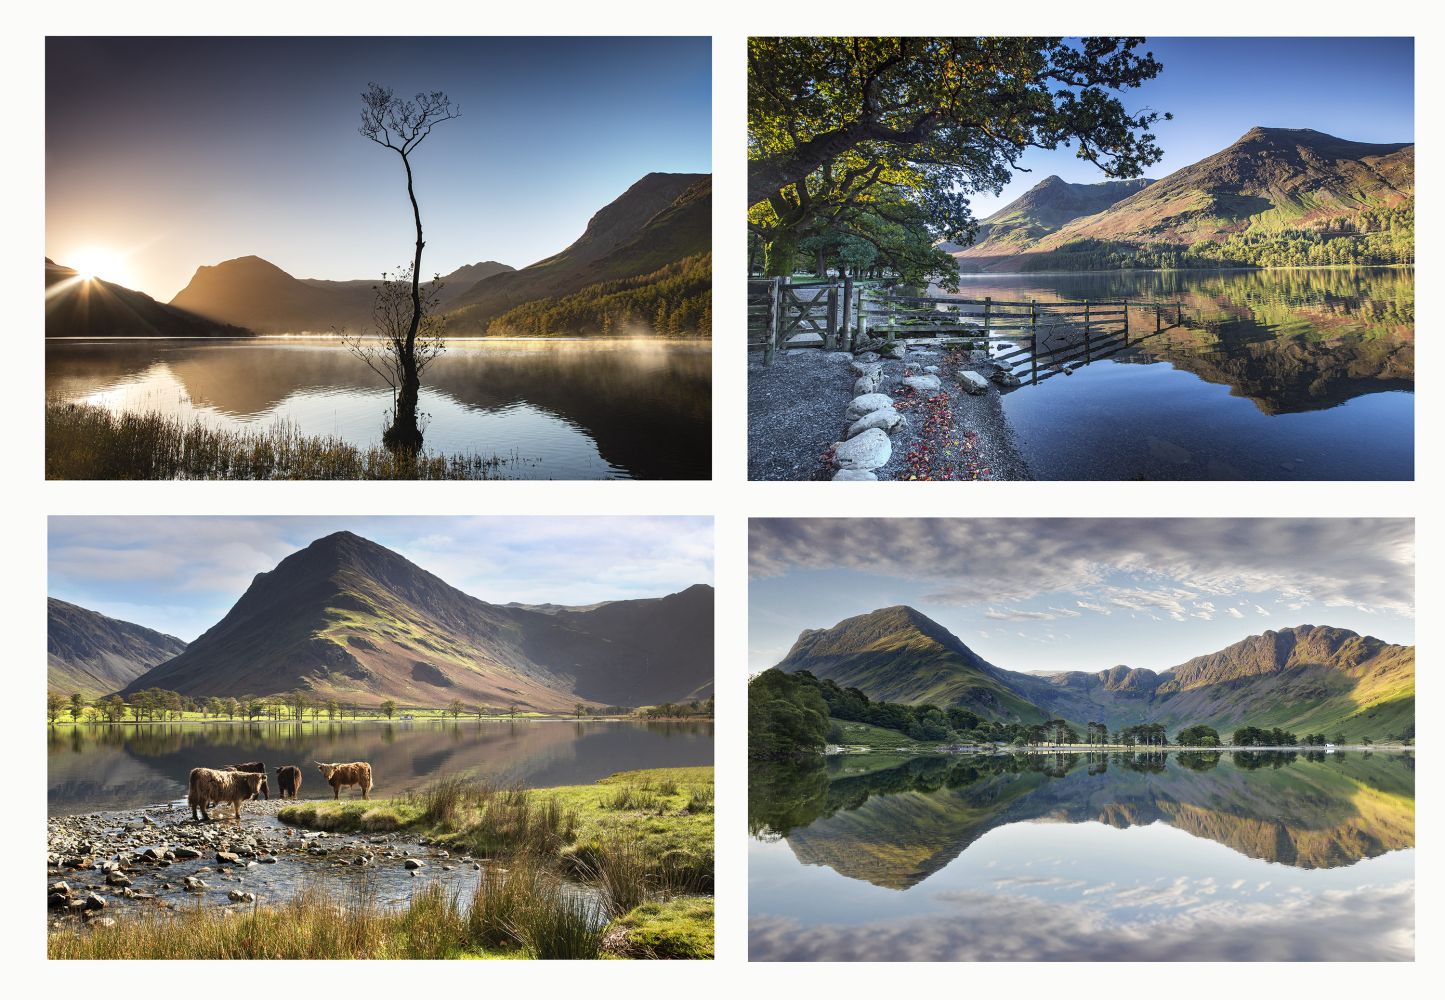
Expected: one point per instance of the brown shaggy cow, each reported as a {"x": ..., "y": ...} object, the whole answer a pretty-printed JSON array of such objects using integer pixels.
[
  {"x": 288, "y": 781},
  {"x": 208, "y": 785},
  {"x": 254, "y": 767},
  {"x": 337, "y": 775}
]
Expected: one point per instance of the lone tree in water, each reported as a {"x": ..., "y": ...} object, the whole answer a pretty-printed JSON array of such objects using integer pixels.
[{"x": 401, "y": 126}]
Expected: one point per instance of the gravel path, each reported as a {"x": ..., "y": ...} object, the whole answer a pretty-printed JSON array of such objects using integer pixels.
[{"x": 796, "y": 412}]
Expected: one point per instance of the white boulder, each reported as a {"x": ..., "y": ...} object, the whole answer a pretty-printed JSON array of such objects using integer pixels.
[{"x": 865, "y": 452}]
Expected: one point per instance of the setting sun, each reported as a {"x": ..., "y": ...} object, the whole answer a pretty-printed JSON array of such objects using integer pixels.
[{"x": 99, "y": 262}]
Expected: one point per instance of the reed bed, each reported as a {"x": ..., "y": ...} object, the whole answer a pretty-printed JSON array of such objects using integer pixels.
[{"x": 89, "y": 442}]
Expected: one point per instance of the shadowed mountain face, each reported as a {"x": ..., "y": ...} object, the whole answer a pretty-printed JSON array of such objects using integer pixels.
[
  {"x": 1268, "y": 179},
  {"x": 258, "y": 294},
  {"x": 348, "y": 619},
  {"x": 91, "y": 654},
  {"x": 81, "y": 307},
  {"x": 658, "y": 221},
  {"x": 896, "y": 826},
  {"x": 1307, "y": 679}
]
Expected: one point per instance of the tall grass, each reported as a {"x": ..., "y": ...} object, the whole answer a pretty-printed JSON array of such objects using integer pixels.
[{"x": 89, "y": 442}]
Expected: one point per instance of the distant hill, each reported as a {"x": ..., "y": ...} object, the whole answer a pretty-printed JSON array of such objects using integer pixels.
[
  {"x": 659, "y": 221},
  {"x": 1270, "y": 181},
  {"x": 346, "y": 618},
  {"x": 1307, "y": 679},
  {"x": 76, "y": 307},
  {"x": 1043, "y": 209},
  {"x": 94, "y": 655},
  {"x": 261, "y": 296}
]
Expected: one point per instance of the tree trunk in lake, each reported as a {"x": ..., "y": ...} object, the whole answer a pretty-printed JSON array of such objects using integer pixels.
[{"x": 404, "y": 434}]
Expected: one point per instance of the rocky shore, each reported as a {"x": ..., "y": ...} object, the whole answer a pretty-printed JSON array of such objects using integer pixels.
[
  {"x": 157, "y": 858},
  {"x": 886, "y": 412}
]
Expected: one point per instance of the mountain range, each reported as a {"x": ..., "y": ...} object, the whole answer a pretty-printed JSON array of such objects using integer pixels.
[
  {"x": 348, "y": 619},
  {"x": 1306, "y": 678},
  {"x": 660, "y": 220},
  {"x": 95, "y": 655},
  {"x": 1269, "y": 179}
]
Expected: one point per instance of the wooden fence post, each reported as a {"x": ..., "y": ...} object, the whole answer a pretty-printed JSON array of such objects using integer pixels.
[
  {"x": 830, "y": 321},
  {"x": 1178, "y": 314},
  {"x": 1126, "y": 322},
  {"x": 987, "y": 312},
  {"x": 1158, "y": 323},
  {"x": 862, "y": 318},
  {"x": 1086, "y": 330},
  {"x": 1033, "y": 342},
  {"x": 770, "y": 346},
  {"x": 845, "y": 326}
]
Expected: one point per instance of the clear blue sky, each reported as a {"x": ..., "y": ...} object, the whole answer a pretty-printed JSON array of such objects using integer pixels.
[
  {"x": 1061, "y": 594},
  {"x": 1219, "y": 88},
  {"x": 180, "y": 575},
  {"x": 190, "y": 151}
]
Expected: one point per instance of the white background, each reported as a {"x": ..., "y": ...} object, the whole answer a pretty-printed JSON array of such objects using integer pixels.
[{"x": 26, "y": 499}]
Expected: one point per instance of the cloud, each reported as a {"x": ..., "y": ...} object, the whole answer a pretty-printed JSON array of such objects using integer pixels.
[
  {"x": 1185, "y": 922},
  {"x": 1234, "y": 612},
  {"x": 1021, "y": 615},
  {"x": 1336, "y": 562}
]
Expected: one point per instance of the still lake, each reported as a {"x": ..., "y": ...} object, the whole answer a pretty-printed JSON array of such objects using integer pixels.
[
  {"x": 566, "y": 409},
  {"x": 1084, "y": 857},
  {"x": 1303, "y": 374},
  {"x": 106, "y": 767}
]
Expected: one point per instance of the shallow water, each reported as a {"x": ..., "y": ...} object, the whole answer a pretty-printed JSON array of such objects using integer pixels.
[
  {"x": 1300, "y": 374},
  {"x": 128, "y": 766},
  {"x": 604, "y": 409},
  {"x": 1102, "y": 857}
]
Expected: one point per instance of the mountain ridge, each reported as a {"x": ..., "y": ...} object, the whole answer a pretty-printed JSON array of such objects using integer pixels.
[
  {"x": 1266, "y": 181},
  {"x": 346, "y": 618},
  {"x": 94, "y": 654},
  {"x": 1303, "y": 677}
]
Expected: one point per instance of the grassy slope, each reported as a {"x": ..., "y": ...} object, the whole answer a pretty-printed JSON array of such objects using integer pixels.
[{"x": 659, "y": 819}]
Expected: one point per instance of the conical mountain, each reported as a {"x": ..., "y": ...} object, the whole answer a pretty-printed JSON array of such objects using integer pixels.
[
  {"x": 1044, "y": 208},
  {"x": 900, "y": 654},
  {"x": 346, "y": 618}
]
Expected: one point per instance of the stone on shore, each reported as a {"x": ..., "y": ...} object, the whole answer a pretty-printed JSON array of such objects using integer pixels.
[
  {"x": 923, "y": 383},
  {"x": 887, "y": 419},
  {"x": 865, "y": 404},
  {"x": 867, "y": 451},
  {"x": 973, "y": 383},
  {"x": 854, "y": 476}
]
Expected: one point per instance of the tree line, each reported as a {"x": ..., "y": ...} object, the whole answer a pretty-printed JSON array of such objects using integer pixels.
[
  {"x": 673, "y": 301},
  {"x": 794, "y": 713}
]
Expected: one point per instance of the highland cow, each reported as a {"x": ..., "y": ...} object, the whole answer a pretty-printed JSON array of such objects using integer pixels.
[
  {"x": 337, "y": 775},
  {"x": 254, "y": 767},
  {"x": 288, "y": 781},
  {"x": 208, "y": 785}
]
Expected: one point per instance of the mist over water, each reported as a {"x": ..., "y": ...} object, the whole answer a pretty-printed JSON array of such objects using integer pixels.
[{"x": 606, "y": 409}]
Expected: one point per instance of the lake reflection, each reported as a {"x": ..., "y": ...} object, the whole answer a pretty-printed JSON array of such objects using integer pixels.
[
  {"x": 1287, "y": 374},
  {"x": 566, "y": 409},
  {"x": 1075, "y": 857},
  {"x": 126, "y": 766}
]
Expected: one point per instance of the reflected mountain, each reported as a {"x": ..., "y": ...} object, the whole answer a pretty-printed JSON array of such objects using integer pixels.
[
  {"x": 619, "y": 393},
  {"x": 1291, "y": 341},
  {"x": 126, "y": 766},
  {"x": 894, "y": 822}
]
